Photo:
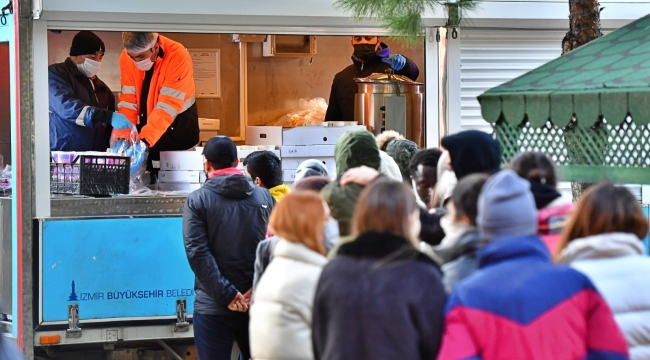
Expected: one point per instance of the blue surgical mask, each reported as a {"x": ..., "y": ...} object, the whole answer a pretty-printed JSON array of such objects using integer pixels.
[{"x": 330, "y": 234}]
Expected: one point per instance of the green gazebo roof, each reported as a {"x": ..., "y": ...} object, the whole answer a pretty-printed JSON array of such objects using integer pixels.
[{"x": 608, "y": 76}]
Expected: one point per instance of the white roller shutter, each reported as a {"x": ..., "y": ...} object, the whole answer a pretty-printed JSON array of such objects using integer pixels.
[{"x": 489, "y": 58}]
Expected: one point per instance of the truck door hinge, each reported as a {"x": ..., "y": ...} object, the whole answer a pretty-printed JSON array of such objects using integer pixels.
[
  {"x": 74, "y": 331},
  {"x": 181, "y": 316}
]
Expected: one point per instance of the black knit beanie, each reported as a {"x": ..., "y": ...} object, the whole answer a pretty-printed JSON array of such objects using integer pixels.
[{"x": 86, "y": 43}]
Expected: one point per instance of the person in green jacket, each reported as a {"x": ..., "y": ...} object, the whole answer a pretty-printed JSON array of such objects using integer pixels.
[{"x": 354, "y": 149}]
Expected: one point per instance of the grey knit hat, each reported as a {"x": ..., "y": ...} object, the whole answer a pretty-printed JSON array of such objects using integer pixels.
[{"x": 506, "y": 207}]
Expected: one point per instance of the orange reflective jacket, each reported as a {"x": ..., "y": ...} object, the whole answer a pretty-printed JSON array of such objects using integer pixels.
[{"x": 171, "y": 91}]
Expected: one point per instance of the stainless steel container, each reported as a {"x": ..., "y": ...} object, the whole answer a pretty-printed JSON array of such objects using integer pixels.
[{"x": 391, "y": 102}]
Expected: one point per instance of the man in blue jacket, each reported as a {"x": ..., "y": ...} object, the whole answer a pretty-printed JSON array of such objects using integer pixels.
[
  {"x": 223, "y": 222},
  {"x": 82, "y": 107}
]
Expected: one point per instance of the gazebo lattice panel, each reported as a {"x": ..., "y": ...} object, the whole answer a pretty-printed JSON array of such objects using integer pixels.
[{"x": 602, "y": 151}]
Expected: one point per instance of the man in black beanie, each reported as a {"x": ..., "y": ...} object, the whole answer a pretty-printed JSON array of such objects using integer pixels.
[{"x": 82, "y": 107}]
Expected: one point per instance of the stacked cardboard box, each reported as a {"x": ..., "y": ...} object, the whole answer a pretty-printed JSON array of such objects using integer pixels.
[
  {"x": 244, "y": 151},
  {"x": 208, "y": 128},
  {"x": 310, "y": 142},
  {"x": 181, "y": 170},
  {"x": 299, "y": 144}
]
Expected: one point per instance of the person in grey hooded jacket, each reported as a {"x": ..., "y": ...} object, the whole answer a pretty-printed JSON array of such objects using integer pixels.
[{"x": 223, "y": 222}]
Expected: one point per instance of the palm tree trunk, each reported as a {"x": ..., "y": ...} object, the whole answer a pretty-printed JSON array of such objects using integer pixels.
[{"x": 584, "y": 26}]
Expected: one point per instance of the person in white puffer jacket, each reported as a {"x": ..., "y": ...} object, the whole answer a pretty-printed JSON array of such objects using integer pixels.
[
  {"x": 281, "y": 313},
  {"x": 603, "y": 241}
]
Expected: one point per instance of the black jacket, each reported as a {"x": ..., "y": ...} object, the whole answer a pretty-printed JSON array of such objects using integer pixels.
[
  {"x": 378, "y": 299},
  {"x": 223, "y": 222},
  {"x": 341, "y": 104},
  {"x": 80, "y": 112}
]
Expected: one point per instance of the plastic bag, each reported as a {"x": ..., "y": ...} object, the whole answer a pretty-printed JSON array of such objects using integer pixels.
[
  {"x": 138, "y": 151},
  {"x": 310, "y": 111}
]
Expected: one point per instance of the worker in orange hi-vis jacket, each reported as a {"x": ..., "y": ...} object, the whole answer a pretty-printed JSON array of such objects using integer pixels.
[{"x": 158, "y": 93}]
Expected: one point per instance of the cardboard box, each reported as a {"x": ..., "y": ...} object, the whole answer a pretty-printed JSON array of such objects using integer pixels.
[
  {"x": 209, "y": 124},
  {"x": 242, "y": 154},
  {"x": 204, "y": 136},
  {"x": 289, "y": 175},
  {"x": 307, "y": 151},
  {"x": 264, "y": 135},
  {"x": 293, "y": 163},
  {"x": 315, "y": 135},
  {"x": 180, "y": 187},
  {"x": 181, "y": 160},
  {"x": 180, "y": 176}
]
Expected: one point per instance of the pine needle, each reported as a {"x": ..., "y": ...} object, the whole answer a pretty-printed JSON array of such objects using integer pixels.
[{"x": 402, "y": 18}]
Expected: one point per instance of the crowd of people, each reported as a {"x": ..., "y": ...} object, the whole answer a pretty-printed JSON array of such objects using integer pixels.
[{"x": 414, "y": 254}]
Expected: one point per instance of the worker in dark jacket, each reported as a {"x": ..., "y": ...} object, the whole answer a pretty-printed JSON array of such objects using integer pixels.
[
  {"x": 81, "y": 106},
  {"x": 223, "y": 222},
  {"x": 370, "y": 56}
]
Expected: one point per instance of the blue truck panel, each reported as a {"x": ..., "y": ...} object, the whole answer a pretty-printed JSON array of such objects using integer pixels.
[{"x": 115, "y": 268}]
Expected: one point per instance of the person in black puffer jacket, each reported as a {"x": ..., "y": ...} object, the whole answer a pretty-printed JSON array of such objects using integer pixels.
[
  {"x": 370, "y": 56},
  {"x": 381, "y": 284},
  {"x": 223, "y": 222}
]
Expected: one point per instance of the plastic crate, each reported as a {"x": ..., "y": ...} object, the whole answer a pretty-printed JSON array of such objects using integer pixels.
[{"x": 95, "y": 175}]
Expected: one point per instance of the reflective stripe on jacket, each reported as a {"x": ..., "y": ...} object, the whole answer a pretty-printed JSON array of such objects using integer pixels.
[
  {"x": 171, "y": 91},
  {"x": 80, "y": 109}
]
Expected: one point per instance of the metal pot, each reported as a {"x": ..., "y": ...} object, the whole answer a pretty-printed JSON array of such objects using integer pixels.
[{"x": 391, "y": 102}]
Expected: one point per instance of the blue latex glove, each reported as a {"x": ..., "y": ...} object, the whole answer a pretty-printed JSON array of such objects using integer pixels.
[
  {"x": 138, "y": 154},
  {"x": 397, "y": 62},
  {"x": 120, "y": 122}
]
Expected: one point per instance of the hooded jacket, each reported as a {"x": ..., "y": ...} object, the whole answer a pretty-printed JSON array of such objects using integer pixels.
[
  {"x": 472, "y": 151},
  {"x": 281, "y": 315},
  {"x": 80, "y": 109},
  {"x": 355, "y": 148},
  {"x": 341, "y": 104},
  {"x": 223, "y": 222},
  {"x": 519, "y": 305},
  {"x": 378, "y": 299},
  {"x": 616, "y": 265}
]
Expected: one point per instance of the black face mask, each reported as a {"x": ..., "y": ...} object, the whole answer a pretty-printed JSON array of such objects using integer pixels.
[{"x": 365, "y": 52}]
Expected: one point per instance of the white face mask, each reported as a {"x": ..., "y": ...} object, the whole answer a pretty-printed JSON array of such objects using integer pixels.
[
  {"x": 330, "y": 234},
  {"x": 89, "y": 67},
  {"x": 144, "y": 65}
]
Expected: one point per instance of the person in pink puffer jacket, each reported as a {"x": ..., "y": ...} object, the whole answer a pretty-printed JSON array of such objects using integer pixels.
[{"x": 553, "y": 209}]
